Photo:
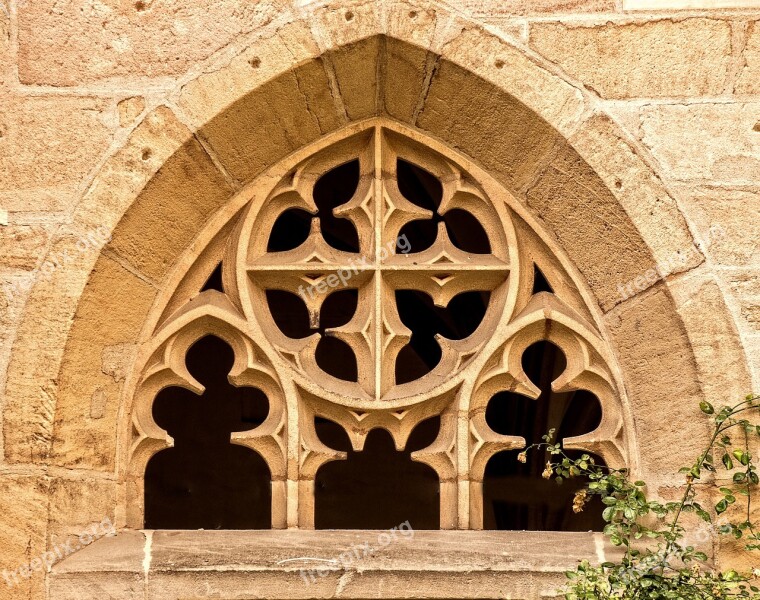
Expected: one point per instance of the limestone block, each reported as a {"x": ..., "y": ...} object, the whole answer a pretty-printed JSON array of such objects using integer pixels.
[
  {"x": 416, "y": 22},
  {"x": 509, "y": 68},
  {"x": 726, "y": 220},
  {"x": 640, "y": 192},
  {"x": 661, "y": 381},
  {"x": 82, "y": 42},
  {"x": 356, "y": 66},
  {"x": 273, "y": 120},
  {"x": 268, "y": 56},
  {"x": 335, "y": 25},
  {"x": 729, "y": 148},
  {"x": 592, "y": 227},
  {"x": 40, "y": 340},
  {"x": 460, "y": 118},
  {"x": 21, "y": 246},
  {"x": 48, "y": 145},
  {"x": 23, "y": 526},
  {"x": 721, "y": 363},
  {"x": 81, "y": 507},
  {"x": 111, "y": 311},
  {"x": 170, "y": 210},
  {"x": 408, "y": 67},
  {"x": 745, "y": 285},
  {"x": 752, "y": 347},
  {"x": 6, "y": 72},
  {"x": 535, "y": 7},
  {"x": 650, "y": 59},
  {"x": 748, "y": 81},
  {"x": 112, "y": 567}
]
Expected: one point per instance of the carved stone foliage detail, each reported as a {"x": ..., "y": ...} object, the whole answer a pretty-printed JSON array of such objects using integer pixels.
[{"x": 314, "y": 298}]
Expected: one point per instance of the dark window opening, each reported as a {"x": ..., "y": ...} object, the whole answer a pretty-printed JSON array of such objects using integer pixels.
[
  {"x": 515, "y": 495},
  {"x": 333, "y": 189},
  {"x": 540, "y": 283},
  {"x": 204, "y": 481},
  {"x": 423, "y": 189},
  {"x": 460, "y": 319},
  {"x": 290, "y": 230},
  {"x": 379, "y": 487},
  {"x": 214, "y": 281},
  {"x": 334, "y": 356}
]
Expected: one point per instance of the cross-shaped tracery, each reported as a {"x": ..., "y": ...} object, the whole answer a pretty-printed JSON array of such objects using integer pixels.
[{"x": 381, "y": 179}]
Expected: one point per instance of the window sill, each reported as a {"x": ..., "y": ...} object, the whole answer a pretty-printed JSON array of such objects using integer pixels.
[{"x": 272, "y": 564}]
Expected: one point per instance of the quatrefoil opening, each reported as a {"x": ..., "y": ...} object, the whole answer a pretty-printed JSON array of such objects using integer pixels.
[
  {"x": 331, "y": 191},
  {"x": 423, "y": 189}
]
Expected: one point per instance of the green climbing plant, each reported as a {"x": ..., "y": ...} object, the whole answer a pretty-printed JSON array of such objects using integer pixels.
[{"x": 655, "y": 562}]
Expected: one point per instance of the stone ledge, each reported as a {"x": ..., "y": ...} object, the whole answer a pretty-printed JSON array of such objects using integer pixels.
[{"x": 313, "y": 564}]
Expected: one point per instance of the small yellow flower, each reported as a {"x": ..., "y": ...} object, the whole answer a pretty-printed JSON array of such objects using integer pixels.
[
  {"x": 522, "y": 457},
  {"x": 547, "y": 474},
  {"x": 581, "y": 497}
]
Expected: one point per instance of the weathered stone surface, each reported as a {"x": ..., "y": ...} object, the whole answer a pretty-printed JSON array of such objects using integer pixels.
[
  {"x": 47, "y": 147},
  {"x": 273, "y": 120},
  {"x": 665, "y": 5},
  {"x": 752, "y": 348},
  {"x": 21, "y": 246},
  {"x": 651, "y": 209},
  {"x": 103, "y": 318},
  {"x": 356, "y": 72},
  {"x": 30, "y": 390},
  {"x": 510, "y": 69},
  {"x": 431, "y": 563},
  {"x": 462, "y": 119},
  {"x": 130, "y": 109},
  {"x": 661, "y": 382},
  {"x": 81, "y": 507},
  {"x": 640, "y": 60},
  {"x": 745, "y": 284},
  {"x": 85, "y": 42},
  {"x": 150, "y": 145},
  {"x": 6, "y": 72},
  {"x": 729, "y": 149},
  {"x": 41, "y": 339},
  {"x": 336, "y": 25},
  {"x": 23, "y": 527},
  {"x": 592, "y": 227},
  {"x": 718, "y": 352},
  {"x": 267, "y": 57},
  {"x": 537, "y": 7},
  {"x": 406, "y": 69},
  {"x": 727, "y": 221},
  {"x": 417, "y": 23},
  {"x": 748, "y": 81},
  {"x": 169, "y": 212}
]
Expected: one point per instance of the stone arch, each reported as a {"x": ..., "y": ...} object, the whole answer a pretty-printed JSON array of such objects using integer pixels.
[{"x": 569, "y": 164}]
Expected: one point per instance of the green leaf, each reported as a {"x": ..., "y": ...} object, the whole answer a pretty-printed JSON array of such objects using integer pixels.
[
  {"x": 706, "y": 407},
  {"x": 721, "y": 506},
  {"x": 727, "y": 462}
]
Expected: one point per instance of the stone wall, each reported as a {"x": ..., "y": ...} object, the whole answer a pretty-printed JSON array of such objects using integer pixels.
[{"x": 95, "y": 97}]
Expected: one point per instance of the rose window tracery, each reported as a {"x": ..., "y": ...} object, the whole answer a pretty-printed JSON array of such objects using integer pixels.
[{"x": 374, "y": 283}]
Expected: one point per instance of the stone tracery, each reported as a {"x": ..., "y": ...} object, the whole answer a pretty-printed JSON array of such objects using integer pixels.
[{"x": 378, "y": 209}]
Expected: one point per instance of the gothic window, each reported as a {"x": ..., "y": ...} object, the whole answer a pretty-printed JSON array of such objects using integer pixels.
[{"x": 370, "y": 338}]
